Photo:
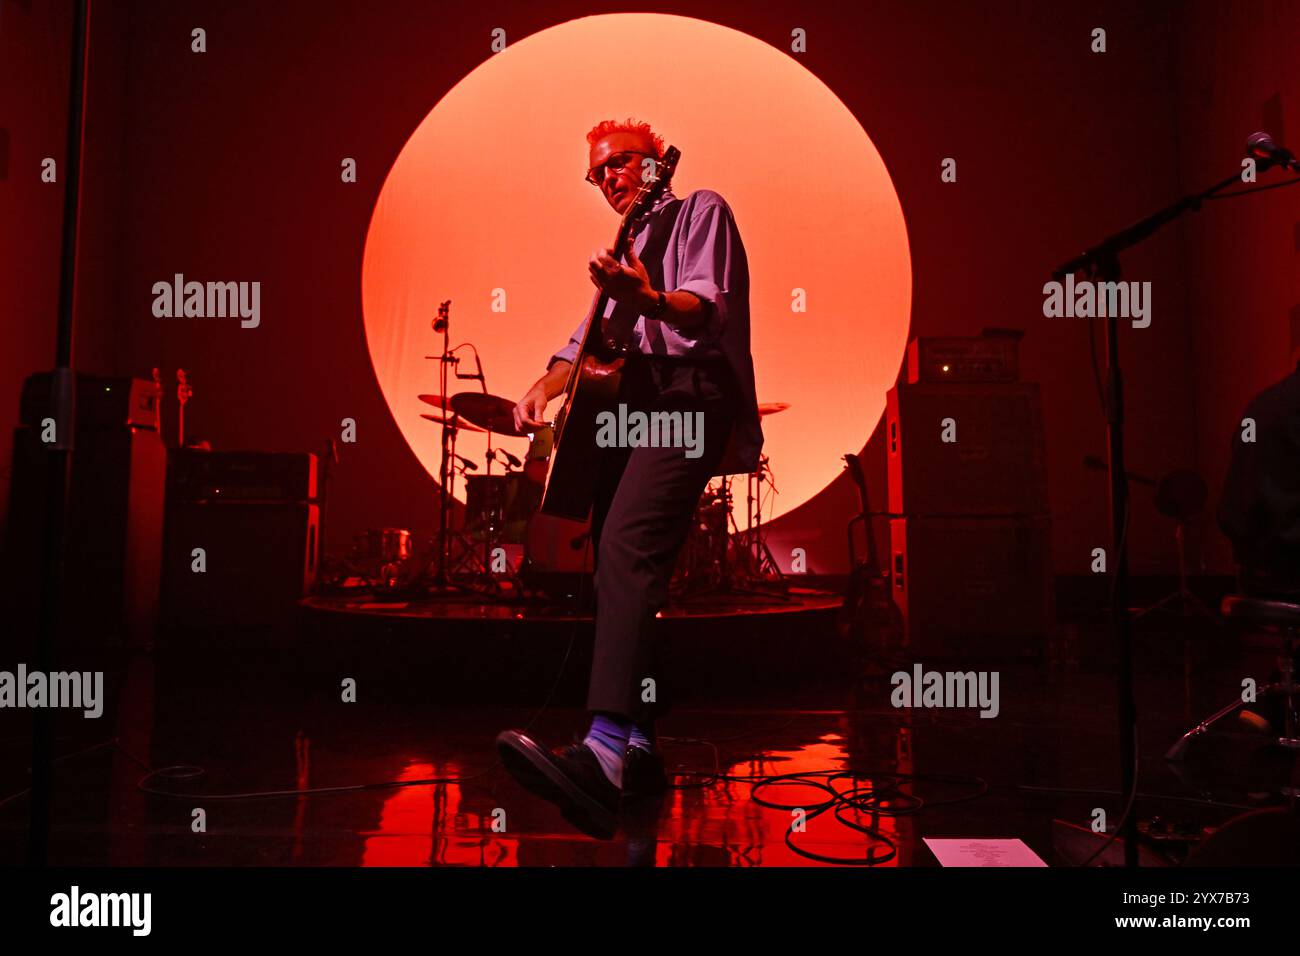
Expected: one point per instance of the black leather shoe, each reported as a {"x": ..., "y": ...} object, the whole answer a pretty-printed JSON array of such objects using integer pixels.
[
  {"x": 570, "y": 777},
  {"x": 643, "y": 773}
]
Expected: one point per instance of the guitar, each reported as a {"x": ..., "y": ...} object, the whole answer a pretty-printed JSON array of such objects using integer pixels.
[
  {"x": 869, "y": 621},
  {"x": 183, "y": 393},
  {"x": 593, "y": 383}
]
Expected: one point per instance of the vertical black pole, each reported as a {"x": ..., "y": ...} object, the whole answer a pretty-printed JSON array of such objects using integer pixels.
[
  {"x": 59, "y": 454},
  {"x": 1119, "y": 613},
  {"x": 444, "y": 468}
]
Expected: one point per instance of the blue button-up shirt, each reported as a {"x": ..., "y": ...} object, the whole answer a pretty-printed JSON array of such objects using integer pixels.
[{"x": 704, "y": 256}]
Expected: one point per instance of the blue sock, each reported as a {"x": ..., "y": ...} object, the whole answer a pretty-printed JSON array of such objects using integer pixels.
[
  {"x": 607, "y": 739},
  {"x": 636, "y": 738}
]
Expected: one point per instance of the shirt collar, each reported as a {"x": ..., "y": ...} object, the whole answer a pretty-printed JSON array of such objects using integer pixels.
[{"x": 664, "y": 200}]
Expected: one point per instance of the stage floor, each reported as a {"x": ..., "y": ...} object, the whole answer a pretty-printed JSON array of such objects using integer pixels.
[
  {"x": 247, "y": 723},
  {"x": 468, "y": 606}
]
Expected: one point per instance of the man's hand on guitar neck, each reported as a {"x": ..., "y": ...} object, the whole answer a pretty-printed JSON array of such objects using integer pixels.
[
  {"x": 626, "y": 284},
  {"x": 630, "y": 284}
]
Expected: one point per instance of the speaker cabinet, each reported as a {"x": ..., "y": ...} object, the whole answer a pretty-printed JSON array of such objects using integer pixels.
[
  {"x": 977, "y": 587},
  {"x": 238, "y": 565},
  {"x": 114, "y": 535},
  {"x": 965, "y": 449}
]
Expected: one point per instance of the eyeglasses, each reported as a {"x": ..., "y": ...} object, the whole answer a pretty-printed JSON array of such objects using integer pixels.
[{"x": 596, "y": 175}]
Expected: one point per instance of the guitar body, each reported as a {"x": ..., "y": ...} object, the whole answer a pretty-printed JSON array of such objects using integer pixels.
[
  {"x": 594, "y": 381},
  {"x": 571, "y": 481}
]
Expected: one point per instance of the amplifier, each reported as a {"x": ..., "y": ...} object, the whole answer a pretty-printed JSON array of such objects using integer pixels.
[
  {"x": 101, "y": 402},
  {"x": 195, "y": 476},
  {"x": 256, "y": 561},
  {"x": 972, "y": 587},
  {"x": 965, "y": 449},
  {"x": 985, "y": 358}
]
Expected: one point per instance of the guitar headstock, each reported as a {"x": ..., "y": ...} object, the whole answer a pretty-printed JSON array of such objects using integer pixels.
[{"x": 654, "y": 183}]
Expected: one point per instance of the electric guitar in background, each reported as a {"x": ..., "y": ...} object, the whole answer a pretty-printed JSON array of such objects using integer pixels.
[{"x": 594, "y": 379}]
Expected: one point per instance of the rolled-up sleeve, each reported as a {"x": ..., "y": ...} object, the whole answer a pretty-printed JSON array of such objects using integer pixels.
[
  {"x": 570, "y": 351},
  {"x": 710, "y": 254}
]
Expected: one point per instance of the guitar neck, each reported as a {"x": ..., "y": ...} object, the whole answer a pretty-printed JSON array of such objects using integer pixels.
[
  {"x": 596, "y": 313},
  {"x": 643, "y": 204}
]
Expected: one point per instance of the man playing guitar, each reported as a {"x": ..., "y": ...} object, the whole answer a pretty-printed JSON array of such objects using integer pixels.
[{"x": 683, "y": 296}]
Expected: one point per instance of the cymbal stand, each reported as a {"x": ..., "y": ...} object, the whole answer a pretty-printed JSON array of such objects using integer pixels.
[
  {"x": 468, "y": 562},
  {"x": 761, "y": 570}
]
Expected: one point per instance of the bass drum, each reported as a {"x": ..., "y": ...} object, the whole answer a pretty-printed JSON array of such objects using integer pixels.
[{"x": 499, "y": 506}]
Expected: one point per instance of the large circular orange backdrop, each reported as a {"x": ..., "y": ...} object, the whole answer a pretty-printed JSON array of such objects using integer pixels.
[{"x": 488, "y": 195}]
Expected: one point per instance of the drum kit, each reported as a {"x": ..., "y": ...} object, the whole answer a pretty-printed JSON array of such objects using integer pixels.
[
  {"x": 721, "y": 558},
  {"x": 502, "y": 511}
]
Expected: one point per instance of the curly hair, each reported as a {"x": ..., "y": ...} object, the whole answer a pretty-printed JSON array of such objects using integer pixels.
[{"x": 605, "y": 127}]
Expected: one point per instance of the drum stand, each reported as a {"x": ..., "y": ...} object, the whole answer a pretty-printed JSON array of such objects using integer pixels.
[
  {"x": 1181, "y": 601},
  {"x": 503, "y": 584},
  {"x": 754, "y": 571},
  {"x": 763, "y": 568},
  {"x": 460, "y": 554}
]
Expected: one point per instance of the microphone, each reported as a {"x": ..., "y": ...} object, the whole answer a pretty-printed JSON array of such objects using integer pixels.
[
  {"x": 469, "y": 465},
  {"x": 475, "y": 376},
  {"x": 1261, "y": 147},
  {"x": 514, "y": 462}
]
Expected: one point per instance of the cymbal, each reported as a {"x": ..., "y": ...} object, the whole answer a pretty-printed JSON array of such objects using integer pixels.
[
  {"x": 437, "y": 401},
  {"x": 459, "y": 423},
  {"x": 771, "y": 408},
  {"x": 492, "y": 412}
]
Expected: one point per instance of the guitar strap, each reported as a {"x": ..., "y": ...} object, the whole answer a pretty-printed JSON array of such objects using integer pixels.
[{"x": 622, "y": 321}]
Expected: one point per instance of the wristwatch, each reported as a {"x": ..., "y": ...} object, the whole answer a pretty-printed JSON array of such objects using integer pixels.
[{"x": 659, "y": 307}]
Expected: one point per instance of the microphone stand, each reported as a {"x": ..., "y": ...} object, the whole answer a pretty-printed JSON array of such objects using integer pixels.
[
  {"x": 497, "y": 497},
  {"x": 448, "y": 466},
  {"x": 58, "y": 455},
  {"x": 482, "y": 381},
  {"x": 1101, "y": 263},
  {"x": 441, "y": 581}
]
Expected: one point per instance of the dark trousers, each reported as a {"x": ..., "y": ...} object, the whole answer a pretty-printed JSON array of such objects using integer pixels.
[{"x": 645, "y": 501}]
